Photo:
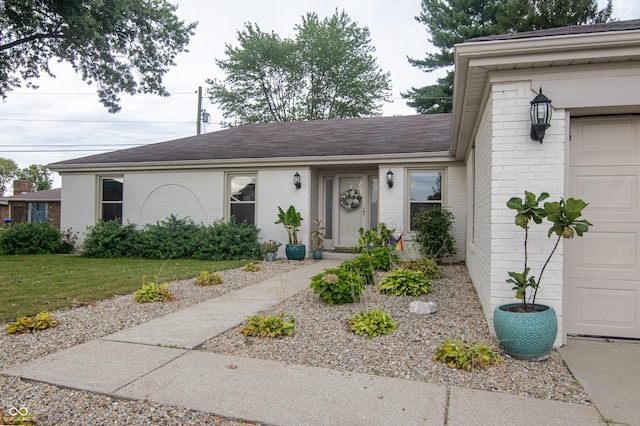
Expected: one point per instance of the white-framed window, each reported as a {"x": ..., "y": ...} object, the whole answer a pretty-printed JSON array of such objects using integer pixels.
[
  {"x": 241, "y": 188},
  {"x": 425, "y": 189},
  {"x": 111, "y": 198}
]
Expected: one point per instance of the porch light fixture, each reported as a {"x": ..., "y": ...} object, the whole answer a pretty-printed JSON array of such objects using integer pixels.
[
  {"x": 390, "y": 178},
  {"x": 296, "y": 180},
  {"x": 540, "y": 116}
]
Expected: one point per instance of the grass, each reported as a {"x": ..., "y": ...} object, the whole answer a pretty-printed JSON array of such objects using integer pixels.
[{"x": 34, "y": 283}]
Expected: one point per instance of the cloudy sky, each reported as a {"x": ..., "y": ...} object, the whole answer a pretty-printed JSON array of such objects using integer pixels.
[{"x": 63, "y": 118}]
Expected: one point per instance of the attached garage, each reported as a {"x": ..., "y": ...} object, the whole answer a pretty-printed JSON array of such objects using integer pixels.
[{"x": 603, "y": 279}]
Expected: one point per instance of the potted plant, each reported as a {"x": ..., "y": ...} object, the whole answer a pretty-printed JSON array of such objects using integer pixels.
[
  {"x": 291, "y": 220},
  {"x": 317, "y": 238},
  {"x": 527, "y": 330},
  {"x": 269, "y": 249}
]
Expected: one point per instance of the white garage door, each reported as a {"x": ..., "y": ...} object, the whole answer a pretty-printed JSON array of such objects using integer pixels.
[{"x": 603, "y": 293}]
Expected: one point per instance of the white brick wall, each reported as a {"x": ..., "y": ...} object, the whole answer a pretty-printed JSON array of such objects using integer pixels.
[
  {"x": 78, "y": 203},
  {"x": 519, "y": 164}
]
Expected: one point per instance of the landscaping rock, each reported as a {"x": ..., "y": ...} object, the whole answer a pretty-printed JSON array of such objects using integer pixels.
[{"x": 424, "y": 308}]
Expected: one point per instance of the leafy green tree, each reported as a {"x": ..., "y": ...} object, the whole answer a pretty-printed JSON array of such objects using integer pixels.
[
  {"x": 124, "y": 46},
  {"x": 327, "y": 71},
  {"x": 8, "y": 172},
  {"x": 453, "y": 21},
  {"x": 38, "y": 175}
]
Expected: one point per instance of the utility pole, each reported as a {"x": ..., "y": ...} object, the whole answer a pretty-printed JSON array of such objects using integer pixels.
[{"x": 199, "y": 110}]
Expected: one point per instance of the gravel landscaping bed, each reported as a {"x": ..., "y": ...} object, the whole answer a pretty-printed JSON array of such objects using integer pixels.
[{"x": 321, "y": 339}]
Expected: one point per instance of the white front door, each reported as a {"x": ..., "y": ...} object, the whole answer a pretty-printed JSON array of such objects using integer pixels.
[
  {"x": 351, "y": 209},
  {"x": 603, "y": 274}
]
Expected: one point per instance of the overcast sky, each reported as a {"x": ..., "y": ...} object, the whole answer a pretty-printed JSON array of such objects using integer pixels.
[{"x": 63, "y": 118}]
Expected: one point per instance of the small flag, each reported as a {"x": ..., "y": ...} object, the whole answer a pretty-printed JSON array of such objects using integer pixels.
[{"x": 396, "y": 241}]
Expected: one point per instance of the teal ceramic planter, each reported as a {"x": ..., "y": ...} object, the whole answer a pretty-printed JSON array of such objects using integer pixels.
[
  {"x": 295, "y": 251},
  {"x": 526, "y": 335}
]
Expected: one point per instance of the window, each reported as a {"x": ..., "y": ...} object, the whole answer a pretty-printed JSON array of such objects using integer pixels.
[
  {"x": 242, "y": 202},
  {"x": 37, "y": 212},
  {"x": 111, "y": 198},
  {"x": 425, "y": 191}
]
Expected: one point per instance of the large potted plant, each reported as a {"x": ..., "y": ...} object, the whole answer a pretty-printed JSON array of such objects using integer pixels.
[
  {"x": 527, "y": 330},
  {"x": 317, "y": 238},
  {"x": 291, "y": 220}
]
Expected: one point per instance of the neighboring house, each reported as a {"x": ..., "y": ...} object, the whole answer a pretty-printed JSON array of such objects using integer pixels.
[
  {"x": 471, "y": 161},
  {"x": 32, "y": 207}
]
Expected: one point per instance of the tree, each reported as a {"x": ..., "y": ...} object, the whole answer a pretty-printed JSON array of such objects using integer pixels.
[
  {"x": 8, "y": 172},
  {"x": 125, "y": 46},
  {"x": 454, "y": 21},
  {"x": 39, "y": 176},
  {"x": 327, "y": 71}
]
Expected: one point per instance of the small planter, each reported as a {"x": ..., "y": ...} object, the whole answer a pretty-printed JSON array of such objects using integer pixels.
[
  {"x": 317, "y": 254},
  {"x": 270, "y": 257},
  {"x": 296, "y": 251},
  {"x": 526, "y": 335}
]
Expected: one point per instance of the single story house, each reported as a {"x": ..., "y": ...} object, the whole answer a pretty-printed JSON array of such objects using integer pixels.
[
  {"x": 471, "y": 161},
  {"x": 27, "y": 206}
]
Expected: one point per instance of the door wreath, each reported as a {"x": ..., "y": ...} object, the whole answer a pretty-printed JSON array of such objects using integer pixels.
[{"x": 350, "y": 199}]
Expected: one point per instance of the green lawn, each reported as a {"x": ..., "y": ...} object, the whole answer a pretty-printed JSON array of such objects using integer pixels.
[{"x": 34, "y": 283}]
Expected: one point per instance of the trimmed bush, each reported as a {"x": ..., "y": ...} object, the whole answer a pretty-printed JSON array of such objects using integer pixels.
[
  {"x": 111, "y": 239},
  {"x": 30, "y": 238},
  {"x": 173, "y": 239},
  {"x": 433, "y": 232},
  {"x": 338, "y": 286}
]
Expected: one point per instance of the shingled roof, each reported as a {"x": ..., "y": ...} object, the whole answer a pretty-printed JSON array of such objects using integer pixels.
[
  {"x": 37, "y": 196},
  {"x": 630, "y": 25},
  {"x": 344, "y": 137}
]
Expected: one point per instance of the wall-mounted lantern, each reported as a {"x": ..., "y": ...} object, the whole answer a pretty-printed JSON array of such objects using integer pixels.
[
  {"x": 296, "y": 180},
  {"x": 540, "y": 116},
  {"x": 390, "y": 178}
]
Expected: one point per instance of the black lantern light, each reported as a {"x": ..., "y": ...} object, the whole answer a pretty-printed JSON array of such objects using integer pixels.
[
  {"x": 540, "y": 116},
  {"x": 390, "y": 178},
  {"x": 296, "y": 180}
]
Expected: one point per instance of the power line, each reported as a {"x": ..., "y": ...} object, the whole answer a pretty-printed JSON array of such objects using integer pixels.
[{"x": 94, "y": 121}]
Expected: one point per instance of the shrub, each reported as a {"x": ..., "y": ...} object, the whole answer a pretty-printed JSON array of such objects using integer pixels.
[
  {"x": 152, "y": 292},
  {"x": 228, "y": 241},
  {"x": 465, "y": 356},
  {"x": 68, "y": 240},
  {"x": 207, "y": 278},
  {"x": 338, "y": 286},
  {"x": 270, "y": 326},
  {"x": 111, "y": 239},
  {"x": 379, "y": 258},
  {"x": 30, "y": 238},
  {"x": 428, "y": 267},
  {"x": 172, "y": 238},
  {"x": 405, "y": 282},
  {"x": 433, "y": 232},
  {"x": 41, "y": 321},
  {"x": 372, "y": 323}
]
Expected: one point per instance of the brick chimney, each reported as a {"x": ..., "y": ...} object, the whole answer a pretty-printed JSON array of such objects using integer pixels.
[{"x": 21, "y": 186}]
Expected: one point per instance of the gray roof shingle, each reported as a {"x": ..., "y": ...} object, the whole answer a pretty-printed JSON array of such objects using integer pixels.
[
  {"x": 560, "y": 31},
  {"x": 344, "y": 137},
  {"x": 47, "y": 195}
]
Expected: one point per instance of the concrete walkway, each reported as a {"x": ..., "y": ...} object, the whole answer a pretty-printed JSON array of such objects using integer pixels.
[{"x": 156, "y": 361}]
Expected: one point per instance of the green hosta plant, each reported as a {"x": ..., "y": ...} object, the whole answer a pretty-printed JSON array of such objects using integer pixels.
[
  {"x": 466, "y": 356},
  {"x": 207, "y": 278},
  {"x": 252, "y": 267},
  {"x": 372, "y": 323},
  {"x": 338, "y": 286},
  {"x": 152, "y": 292},
  {"x": 405, "y": 282},
  {"x": 563, "y": 216},
  {"x": 41, "y": 321},
  {"x": 268, "y": 326}
]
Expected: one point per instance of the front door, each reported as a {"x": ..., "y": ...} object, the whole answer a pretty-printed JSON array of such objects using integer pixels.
[{"x": 351, "y": 209}]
